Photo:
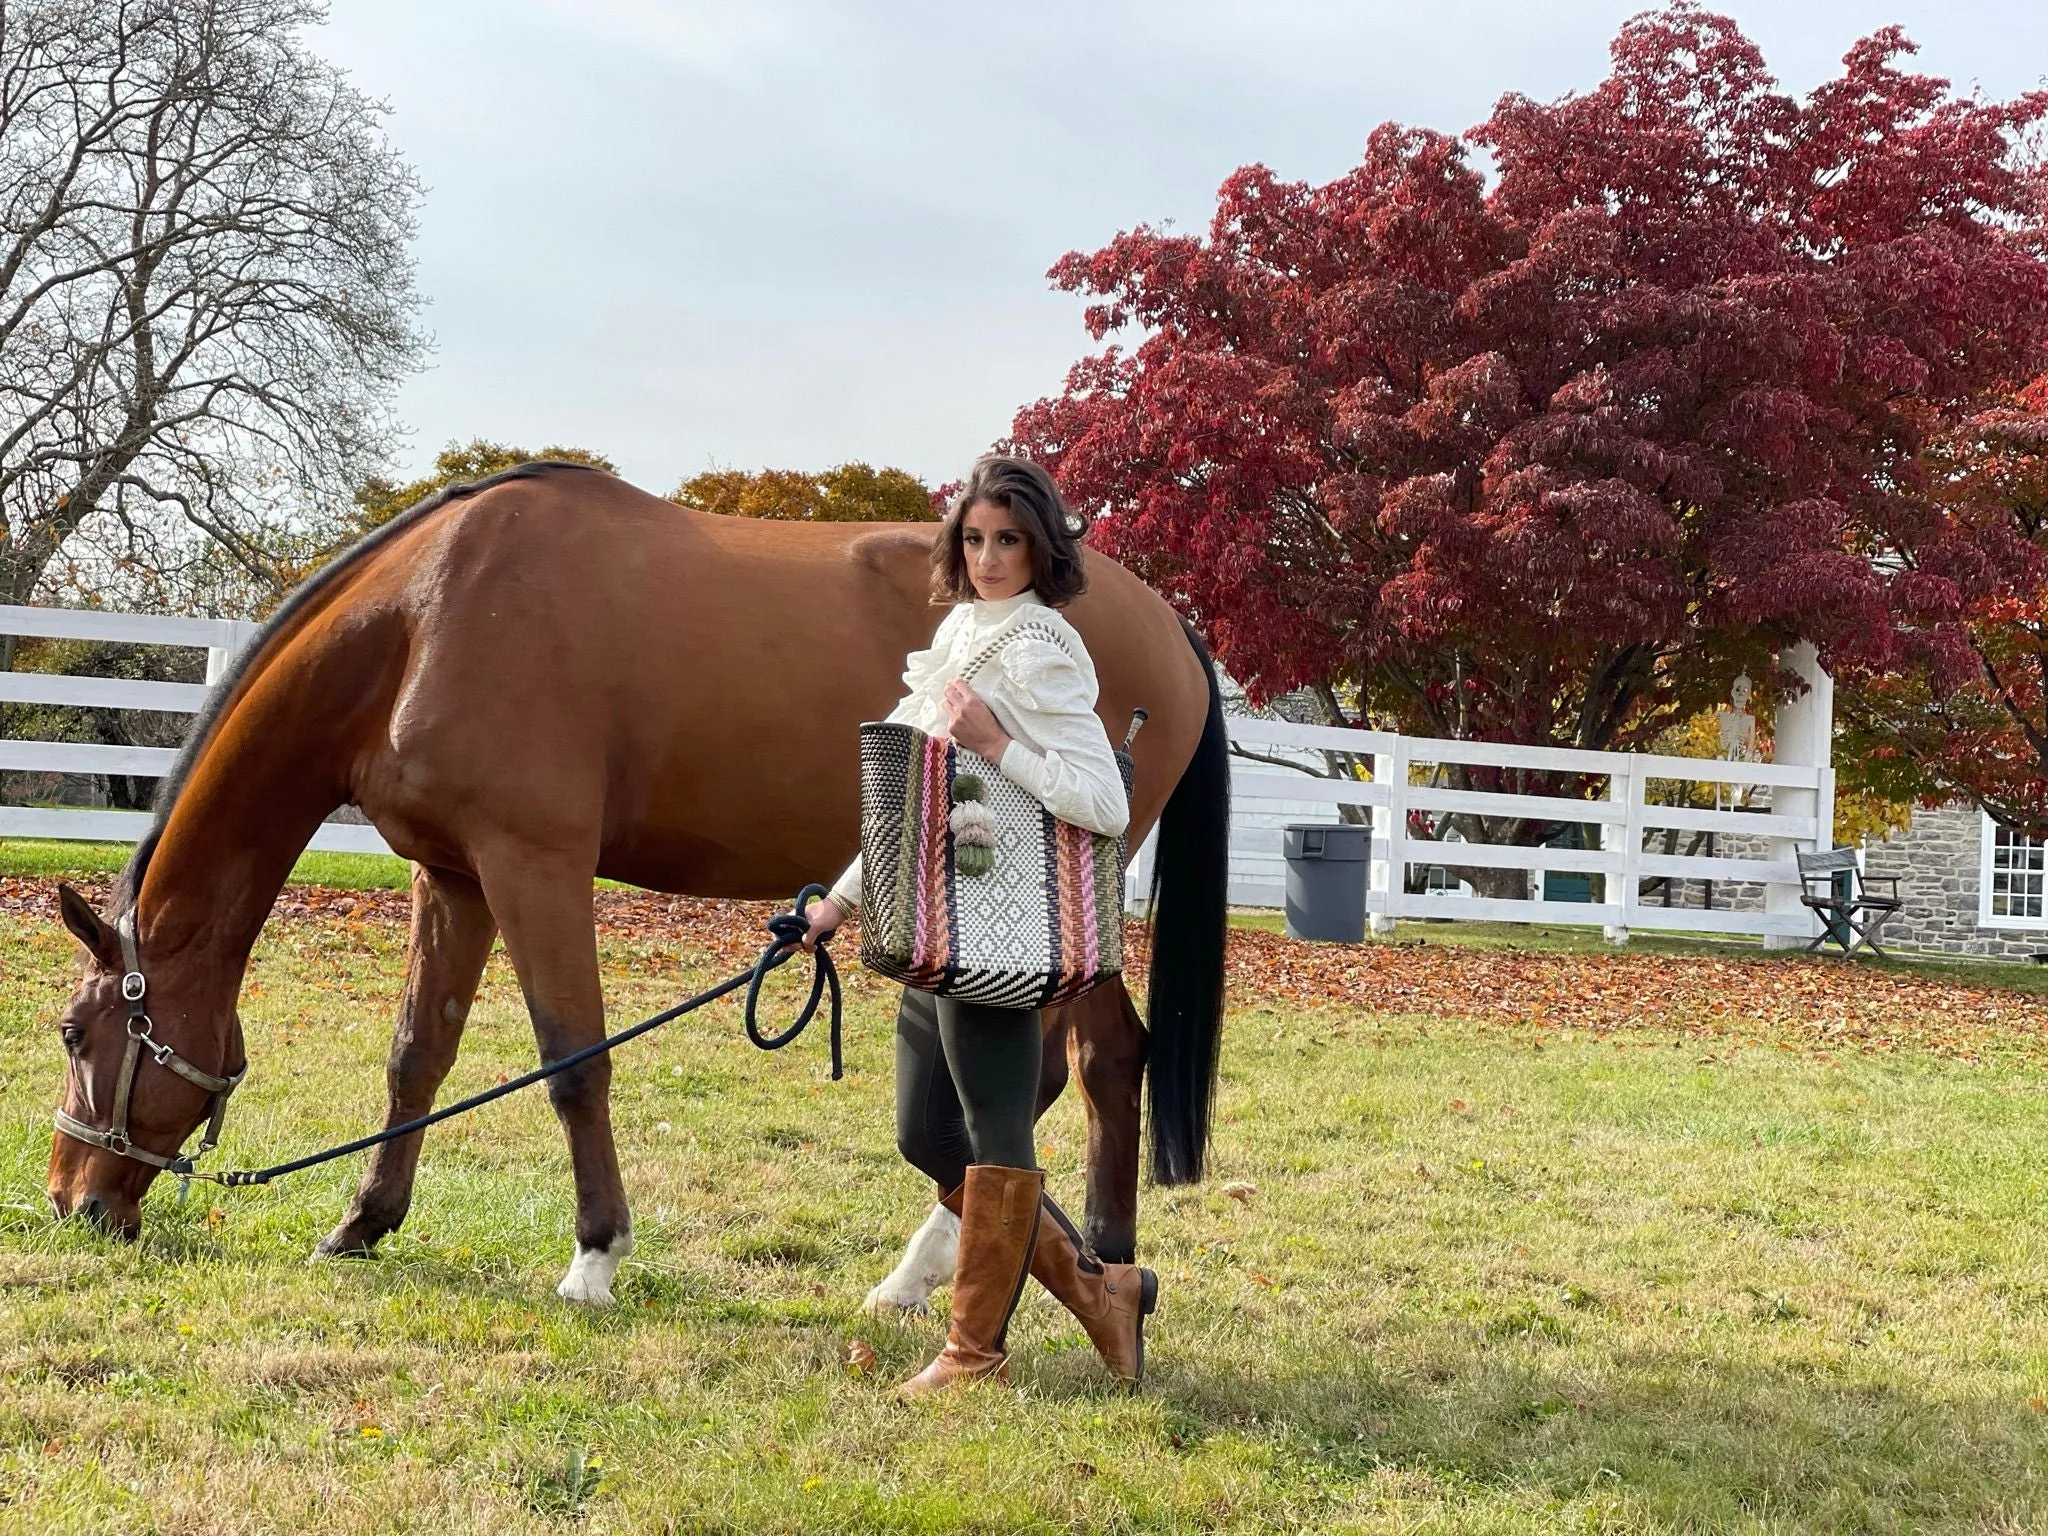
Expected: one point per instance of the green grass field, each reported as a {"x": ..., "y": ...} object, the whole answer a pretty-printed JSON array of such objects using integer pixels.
[
  {"x": 49, "y": 859},
  {"x": 1481, "y": 1281}
]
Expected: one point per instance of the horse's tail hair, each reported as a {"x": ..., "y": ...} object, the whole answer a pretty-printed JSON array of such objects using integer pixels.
[{"x": 1190, "y": 892}]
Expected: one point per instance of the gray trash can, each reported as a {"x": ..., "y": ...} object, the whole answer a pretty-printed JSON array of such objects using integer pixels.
[{"x": 1326, "y": 879}]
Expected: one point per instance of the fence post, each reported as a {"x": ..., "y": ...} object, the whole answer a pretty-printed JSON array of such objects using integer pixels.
[
  {"x": 220, "y": 657},
  {"x": 1391, "y": 769},
  {"x": 1624, "y": 785},
  {"x": 1377, "y": 918},
  {"x": 1138, "y": 876},
  {"x": 1805, "y": 738}
]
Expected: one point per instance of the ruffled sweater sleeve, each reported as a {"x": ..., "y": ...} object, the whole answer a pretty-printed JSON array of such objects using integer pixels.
[{"x": 1068, "y": 766}]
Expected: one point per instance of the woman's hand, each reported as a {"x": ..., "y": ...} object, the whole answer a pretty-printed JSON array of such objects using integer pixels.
[
  {"x": 825, "y": 916},
  {"x": 970, "y": 722}
]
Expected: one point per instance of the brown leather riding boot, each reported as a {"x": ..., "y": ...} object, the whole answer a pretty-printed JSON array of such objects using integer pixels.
[
  {"x": 998, "y": 1223},
  {"x": 1111, "y": 1301}
]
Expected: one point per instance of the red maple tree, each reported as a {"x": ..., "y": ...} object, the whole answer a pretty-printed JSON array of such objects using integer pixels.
[
  {"x": 1959, "y": 704},
  {"x": 1547, "y": 459}
]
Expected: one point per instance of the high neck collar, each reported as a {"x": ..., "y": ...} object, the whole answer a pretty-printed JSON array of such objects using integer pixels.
[{"x": 996, "y": 612}]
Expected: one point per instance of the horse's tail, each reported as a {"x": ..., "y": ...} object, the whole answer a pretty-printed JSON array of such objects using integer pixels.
[{"x": 1190, "y": 891}]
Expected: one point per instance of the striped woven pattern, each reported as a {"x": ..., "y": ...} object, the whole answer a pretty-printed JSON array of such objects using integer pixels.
[{"x": 1044, "y": 926}]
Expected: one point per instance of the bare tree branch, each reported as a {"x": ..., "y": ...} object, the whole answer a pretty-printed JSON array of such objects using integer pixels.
[{"x": 206, "y": 291}]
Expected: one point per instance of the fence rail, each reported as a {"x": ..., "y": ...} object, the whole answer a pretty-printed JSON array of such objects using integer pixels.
[
  {"x": 1404, "y": 780},
  {"x": 1268, "y": 794},
  {"x": 219, "y": 638}
]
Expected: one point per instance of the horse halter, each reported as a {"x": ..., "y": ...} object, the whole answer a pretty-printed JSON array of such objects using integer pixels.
[{"x": 141, "y": 1037}]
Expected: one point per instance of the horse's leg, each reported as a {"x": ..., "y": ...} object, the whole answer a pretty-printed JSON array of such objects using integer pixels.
[
  {"x": 451, "y": 938},
  {"x": 1052, "y": 1071},
  {"x": 543, "y": 907},
  {"x": 928, "y": 1259},
  {"x": 1108, "y": 1044}
]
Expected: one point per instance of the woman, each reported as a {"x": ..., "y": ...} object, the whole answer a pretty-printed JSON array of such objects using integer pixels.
[{"x": 967, "y": 1074}]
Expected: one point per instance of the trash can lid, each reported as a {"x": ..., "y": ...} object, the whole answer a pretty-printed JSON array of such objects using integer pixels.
[{"x": 1343, "y": 840}]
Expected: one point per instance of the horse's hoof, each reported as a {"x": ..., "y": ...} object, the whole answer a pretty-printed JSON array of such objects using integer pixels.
[
  {"x": 927, "y": 1264},
  {"x": 589, "y": 1281},
  {"x": 347, "y": 1241},
  {"x": 887, "y": 1301}
]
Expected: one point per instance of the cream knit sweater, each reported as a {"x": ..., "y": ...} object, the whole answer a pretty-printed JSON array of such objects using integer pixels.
[{"x": 1042, "y": 694}]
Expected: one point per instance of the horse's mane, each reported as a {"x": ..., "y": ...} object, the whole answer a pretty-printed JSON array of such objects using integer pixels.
[{"x": 300, "y": 599}]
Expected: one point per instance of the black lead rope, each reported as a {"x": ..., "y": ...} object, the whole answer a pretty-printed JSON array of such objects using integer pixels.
[{"x": 787, "y": 930}]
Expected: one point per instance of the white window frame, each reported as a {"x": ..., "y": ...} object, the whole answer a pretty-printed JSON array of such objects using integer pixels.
[{"x": 1987, "y": 845}]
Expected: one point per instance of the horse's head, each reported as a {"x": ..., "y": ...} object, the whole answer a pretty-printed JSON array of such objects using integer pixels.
[{"x": 141, "y": 1055}]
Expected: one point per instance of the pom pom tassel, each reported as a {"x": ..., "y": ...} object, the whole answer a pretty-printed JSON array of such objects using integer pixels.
[{"x": 974, "y": 829}]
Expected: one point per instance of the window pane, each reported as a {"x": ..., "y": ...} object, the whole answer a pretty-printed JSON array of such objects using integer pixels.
[{"x": 2014, "y": 880}]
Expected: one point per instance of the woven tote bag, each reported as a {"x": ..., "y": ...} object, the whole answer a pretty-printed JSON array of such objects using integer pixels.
[{"x": 1041, "y": 925}]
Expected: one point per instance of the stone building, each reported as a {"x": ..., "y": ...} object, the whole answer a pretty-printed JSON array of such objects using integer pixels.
[{"x": 1970, "y": 886}]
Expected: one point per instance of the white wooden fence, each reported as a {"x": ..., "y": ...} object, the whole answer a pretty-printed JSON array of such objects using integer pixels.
[
  {"x": 1265, "y": 796},
  {"x": 1801, "y": 817},
  {"x": 219, "y": 638}
]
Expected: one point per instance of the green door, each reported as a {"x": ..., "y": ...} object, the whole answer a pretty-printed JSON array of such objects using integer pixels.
[{"x": 1559, "y": 885}]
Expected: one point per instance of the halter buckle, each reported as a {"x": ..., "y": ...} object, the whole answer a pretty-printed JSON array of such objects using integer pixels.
[
  {"x": 115, "y": 1140},
  {"x": 133, "y": 986}
]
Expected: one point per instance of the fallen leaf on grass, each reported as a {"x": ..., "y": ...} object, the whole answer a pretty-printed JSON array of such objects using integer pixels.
[
  {"x": 860, "y": 1358},
  {"x": 1240, "y": 1190}
]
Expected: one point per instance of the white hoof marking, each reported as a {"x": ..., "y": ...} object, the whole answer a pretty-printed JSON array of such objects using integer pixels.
[
  {"x": 926, "y": 1265},
  {"x": 589, "y": 1280}
]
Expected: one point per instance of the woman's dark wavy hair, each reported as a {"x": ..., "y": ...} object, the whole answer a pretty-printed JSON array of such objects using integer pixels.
[{"x": 1055, "y": 530}]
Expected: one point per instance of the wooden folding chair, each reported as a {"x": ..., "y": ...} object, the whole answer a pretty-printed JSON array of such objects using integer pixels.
[{"x": 1851, "y": 915}]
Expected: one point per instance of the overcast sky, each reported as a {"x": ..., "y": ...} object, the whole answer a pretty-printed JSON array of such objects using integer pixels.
[{"x": 798, "y": 232}]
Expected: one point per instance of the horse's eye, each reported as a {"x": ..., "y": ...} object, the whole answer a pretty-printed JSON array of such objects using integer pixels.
[{"x": 74, "y": 1037}]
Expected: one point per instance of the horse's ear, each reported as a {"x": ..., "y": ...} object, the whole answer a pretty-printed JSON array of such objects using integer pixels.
[{"x": 88, "y": 927}]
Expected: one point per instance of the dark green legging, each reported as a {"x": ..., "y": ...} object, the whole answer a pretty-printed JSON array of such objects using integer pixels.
[{"x": 966, "y": 1085}]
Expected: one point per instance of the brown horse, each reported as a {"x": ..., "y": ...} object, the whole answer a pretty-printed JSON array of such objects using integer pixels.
[{"x": 551, "y": 675}]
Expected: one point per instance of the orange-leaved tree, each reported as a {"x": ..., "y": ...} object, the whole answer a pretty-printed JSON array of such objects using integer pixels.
[
  {"x": 851, "y": 493},
  {"x": 379, "y": 500},
  {"x": 1957, "y": 707}
]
